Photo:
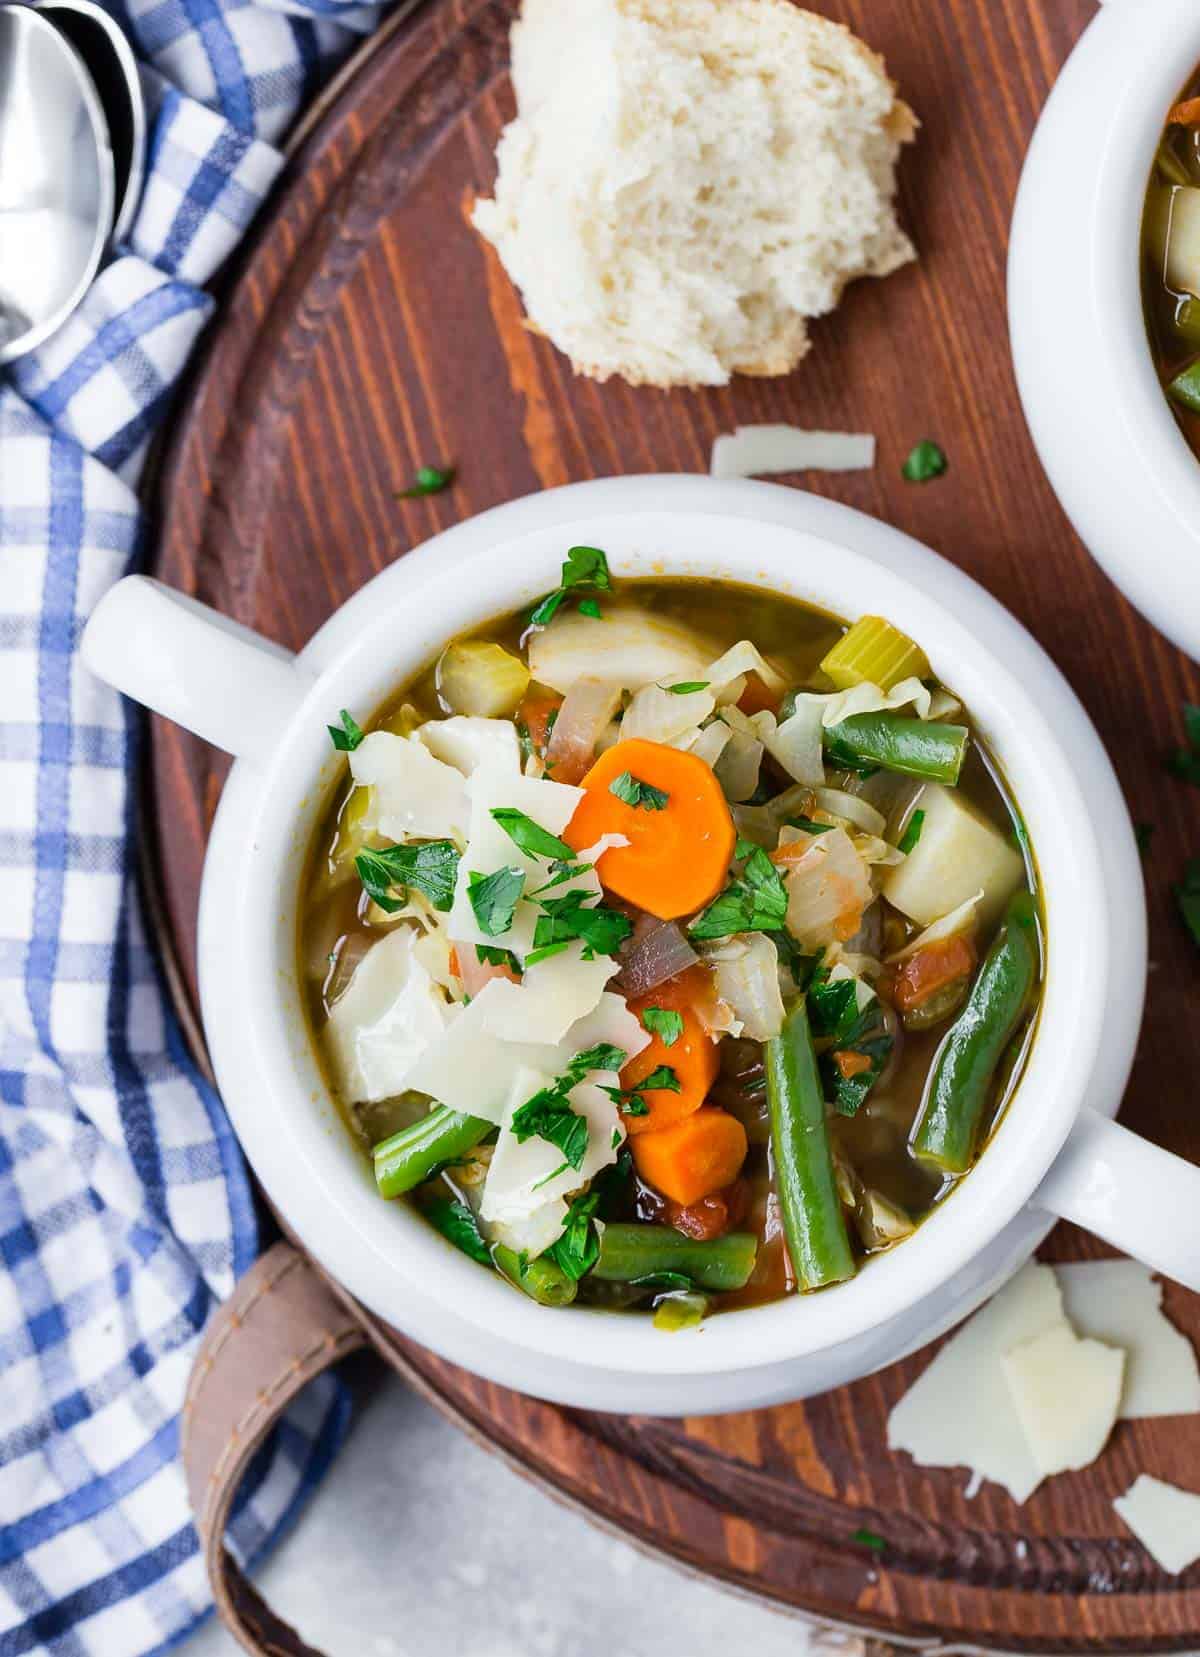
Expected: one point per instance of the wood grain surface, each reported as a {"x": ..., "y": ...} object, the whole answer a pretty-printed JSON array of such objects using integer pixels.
[{"x": 369, "y": 332}]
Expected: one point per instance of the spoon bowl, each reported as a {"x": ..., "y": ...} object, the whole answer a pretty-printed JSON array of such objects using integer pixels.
[{"x": 56, "y": 180}]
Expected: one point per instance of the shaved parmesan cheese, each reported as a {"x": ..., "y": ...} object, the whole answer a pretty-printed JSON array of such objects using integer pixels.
[
  {"x": 960, "y": 1411},
  {"x": 658, "y": 715},
  {"x": 738, "y": 660},
  {"x": 531, "y": 1234},
  {"x": 629, "y": 648},
  {"x": 958, "y": 920},
  {"x": 432, "y": 950},
  {"x": 524, "y": 1176},
  {"x": 1165, "y": 1520},
  {"x": 1120, "y": 1302},
  {"x": 758, "y": 451},
  {"x": 489, "y": 847},
  {"x": 551, "y": 997},
  {"x": 390, "y": 1013},
  {"x": 412, "y": 793},
  {"x": 470, "y": 1069},
  {"x": 796, "y": 744},
  {"x": 1066, "y": 1393},
  {"x": 467, "y": 742}
]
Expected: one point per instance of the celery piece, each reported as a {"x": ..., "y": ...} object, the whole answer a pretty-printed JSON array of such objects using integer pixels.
[
  {"x": 680, "y": 1311},
  {"x": 474, "y": 677},
  {"x": 875, "y": 652},
  {"x": 1185, "y": 387}
]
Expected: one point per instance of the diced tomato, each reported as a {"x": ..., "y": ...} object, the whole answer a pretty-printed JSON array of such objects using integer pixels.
[
  {"x": 851, "y": 1064},
  {"x": 534, "y": 713},
  {"x": 931, "y": 969}
]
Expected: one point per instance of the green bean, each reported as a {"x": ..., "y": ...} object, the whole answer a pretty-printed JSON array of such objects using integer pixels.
[
  {"x": 629, "y": 1253},
  {"x": 408, "y": 1158},
  {"x": 924, "y": 748},
  {"x": 1185, "y": 387},
  {"x": 541, "y": 1279},
  {"x": 960, "y": 1083},
  {"x": 813, "y": 1222}
]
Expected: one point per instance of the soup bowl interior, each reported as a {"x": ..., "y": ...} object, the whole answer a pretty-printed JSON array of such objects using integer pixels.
[{"x": 316, "y": 1174}]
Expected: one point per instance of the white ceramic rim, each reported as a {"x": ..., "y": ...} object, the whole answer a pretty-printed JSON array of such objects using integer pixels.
[
  {"x": 305, "y": 1158},
  {"x": 1152, "y": 79}
]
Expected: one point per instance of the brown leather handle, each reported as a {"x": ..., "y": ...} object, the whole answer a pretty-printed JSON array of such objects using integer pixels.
[{"x": 281, "y": 1327}]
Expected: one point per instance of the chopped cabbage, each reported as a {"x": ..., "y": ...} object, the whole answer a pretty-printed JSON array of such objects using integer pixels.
[
  {"x": 466, "y": 742},
  {"x": 412, "y": 794},
  {"x": 709, "y": 744},
  {"x": 962, "y": 919},
  {"x": 627, "y": 647},
  {"x": 796, "y": 744},
  {"x": 828, "y": 889},
  {"x": 658, "y": 715},
  {"x": 389, "y": 1014},
  {"x": 851, "y": 809},
  {"x": 739, "y": 660},
  {"x": 868, "y": 698},
  {"x": 738, "y": 767},
  {"x": 746, "y": 969}
]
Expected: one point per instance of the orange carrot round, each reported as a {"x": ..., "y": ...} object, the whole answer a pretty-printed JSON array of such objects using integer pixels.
[
  {"x": 693, "y": 1158},
  {"x": 692, "y": 1055},
  {"x": 679, "y": 846}
]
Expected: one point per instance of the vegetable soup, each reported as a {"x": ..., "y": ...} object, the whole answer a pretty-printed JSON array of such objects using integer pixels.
[
  {"x": 1171, "y": 261},
  {"x": 673, "y": 947}
]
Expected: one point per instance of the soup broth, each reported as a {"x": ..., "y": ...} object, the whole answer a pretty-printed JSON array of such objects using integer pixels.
[
  {"x": 1171, "y": 261},
  {"x": 776, "y": 990}
]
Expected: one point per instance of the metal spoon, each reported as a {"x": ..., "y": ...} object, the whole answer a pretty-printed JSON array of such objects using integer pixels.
[
  {"x": 108, "y": 56},
  {"x": 56, "y": 180}
]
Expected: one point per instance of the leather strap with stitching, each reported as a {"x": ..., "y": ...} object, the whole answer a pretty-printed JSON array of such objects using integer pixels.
[{"x": 281, "y": 1327}]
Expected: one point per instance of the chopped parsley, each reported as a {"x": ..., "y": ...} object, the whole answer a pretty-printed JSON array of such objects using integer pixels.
[
  {"x": 459, "y": 1226},
  {"x": 662, "y": 1079},
  {"x": 912, "y": 833},
  {"x": 638, "y": 794},
  {"x": 578, "y": 1249},
  {"x": 550, "y": 1115},
  {"x": 869, "y": 1539},
  {"x": 585, "y": 567},
  {"x": 809, "y": 827},
  {"x": 663, "y": 1022},
  {"x": 559, "y": 872},
  {"x": 490, "y": 956},
  {"x": 494, "y": 898},
  {"x": 754, "y": 901},
  {"x": 688, "y": 686},
  {"x": 430, "y": 480},
  {"x": 844, "y": 1031},
  {"x": 563, "y": 919},
  {"x": 1187, "y": 896},
  {"x": 925, "y": 462},
  {"x": 431, "y": 866},
  {"x": 629, "y": 1102},
  {"x": 1185, "y": 762},
  {"x": 346, "y": 736},
  {"x": 529, "y": 836},
  {"x": 590, "y": 607}
]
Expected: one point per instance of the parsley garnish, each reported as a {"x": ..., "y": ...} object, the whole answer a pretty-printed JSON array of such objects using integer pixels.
[
  {"x": 925, "y": 463},
  {"x": 1185, "y": 762},
  {"x": 638, "y": 794},
  {"x": 912, "y": 833},
  {"x": 346, "y": 736},
  {"x": 603, "y": 1056},
  {"x": 578, "y": 1249},
  {"x": 833, "y": 1010},
  {"x": 688, "y": 686},
  {"x": 601, "y": 929},
  {"x": 663, "y": 1022},
  {"x": 754, "y": 901},
  {"x": 494, "y": 898},
  {"x": 1187, "y": 896},
  {"x": 430, "y": 480},
  {"x": 489, "y": 955},
  {"x": 584, "y": 567},
  {"x": 549, "y": 1114},
  {"x": 529, "y": 836},
  {"x": 869, "y": 1539},
  {"x": 809, "y": 827},
  {"x": 660, "y": 1080},
  {"x": 559, "y": 872},
  {"x": 459, "y": 1226},
  {"x": 431, "y": 867},
  {"x": 590, "y": 607}
]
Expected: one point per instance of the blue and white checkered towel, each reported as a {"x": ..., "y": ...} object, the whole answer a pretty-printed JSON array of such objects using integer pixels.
[{"x": 125, "y": 1209}]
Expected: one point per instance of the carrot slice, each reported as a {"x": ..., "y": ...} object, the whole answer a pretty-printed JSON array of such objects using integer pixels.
[
  {"x": 695, "y": 1157},
  {"x": 679, "y": 847},
  {"x": 692, "y": 1056}
]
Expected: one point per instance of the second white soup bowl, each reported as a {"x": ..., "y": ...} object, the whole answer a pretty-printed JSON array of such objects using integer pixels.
[{"x": 1054, "y": 1152}]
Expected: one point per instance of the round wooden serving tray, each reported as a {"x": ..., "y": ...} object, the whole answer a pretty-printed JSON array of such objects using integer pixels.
[{"x": 371, "y": 332}]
